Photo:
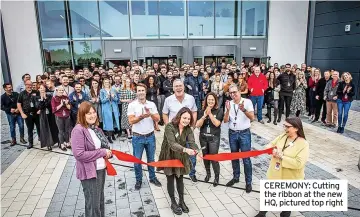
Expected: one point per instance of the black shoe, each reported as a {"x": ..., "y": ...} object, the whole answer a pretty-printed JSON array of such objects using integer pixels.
[
  {"x": 232, "y": 182},
  {"x": 156, "y": 182},
  {"x": 216, "y": 181},
  {"x": 278, "y": 120},
  {"x": 176, "y": 209},
  {"x": 269, "y": 121},
  {"x": 207, "y": 177},
  {"x": 313, "y": 121},
  {"x": 248, "y": 188},
  {"x": 109, "y": 138},
  {"x": 193, "y": 178},
  {"x": 324, "y": 122},
  {"x": 49, "y": 148},
  {"x": 30, "y": 146},
  {"x": 22, "y": 140},
  {"x": 342, "y": 130},
  {"x": 261, "y": 214},
  {"x": 183, "y": 207},
  {"x": 138, "y": 185},
  {"x": 338, "y": 130},
  {"x": 275, "y": 123},
  {"x": 113, "y": 137},
  {"x": 13, "y": 142},
  {"x": 261, "y": 122}
]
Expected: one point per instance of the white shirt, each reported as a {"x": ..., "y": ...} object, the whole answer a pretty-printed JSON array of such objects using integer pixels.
[
  {"x": 146, "y": 125},
  {"x": 100, "y": 162},
  {"x": 242, "y": 122},
  {"x": 173, "y": 105}
]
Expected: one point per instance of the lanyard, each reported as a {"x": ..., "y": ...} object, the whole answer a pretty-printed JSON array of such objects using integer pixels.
[
  {"x": 285, "y": 147},
  {"x": 236, "y": 111}
]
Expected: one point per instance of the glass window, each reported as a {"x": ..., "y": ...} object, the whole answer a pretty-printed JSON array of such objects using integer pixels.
[
  {"x": 227, "y": 19},
  {"x": 113, "y": 13},
  {"x": 86, "y": 52},
  {"x": 144, "y": 19},
  {"x": 172, "y": 19},
  {"x": 254, "y": 18},
  {"x": 201, "y": 19},
  {"x": 57, "y": 55},
  {"x": 85, "y": 19},
  {"x": 52, "y": 19}
]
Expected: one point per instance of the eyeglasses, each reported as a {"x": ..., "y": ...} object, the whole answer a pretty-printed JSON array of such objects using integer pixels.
[
  {"x": 287, "y": 126},
  {"x": 233, "y": 92}
]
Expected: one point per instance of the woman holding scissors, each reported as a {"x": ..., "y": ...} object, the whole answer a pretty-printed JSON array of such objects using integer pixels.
[
  {"x": 177, "y": 133},
  {"x": 209, "y": 122}
]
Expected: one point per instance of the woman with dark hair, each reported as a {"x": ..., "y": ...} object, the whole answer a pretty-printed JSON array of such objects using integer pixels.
[
  {"x": 290, "y": 154},
  {"x": 48, "y": 129},
  {"x": 269, "y": 95},
  {"x": 177, "y": 134},
  {"x": 209, "y": 122},
  {"x": 90, "y": 147},
  {"x": 152, "y": 93},
  {"x": 95, "y": 99}
]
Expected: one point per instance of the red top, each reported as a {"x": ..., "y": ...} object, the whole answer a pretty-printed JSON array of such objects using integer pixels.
[
  {"x": 63, "y": 112},
  {"x": 258, "y": 84},
  {"x": 312, "y": 83},
  {"x": 333, "y": 83}
]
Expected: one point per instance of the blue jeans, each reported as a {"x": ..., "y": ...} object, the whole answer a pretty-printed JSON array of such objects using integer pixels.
[
  {"x": 13, "y": 119},
  {"x": 193, "y": 163},
  {"x": 139, "y": 144},
  {"x": 198, "y": 102},
  {"x": 343, "y": 106},
  {"x": 259, "y": 101},
  {"x": 241, "y": 141}
]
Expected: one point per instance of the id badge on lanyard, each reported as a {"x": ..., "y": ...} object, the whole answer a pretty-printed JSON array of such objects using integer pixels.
[
  {"x": 208, "y": 129},
  {"x": 277, "y": 165},
  {"x": 31, "y": 104},
  {"x": 288, "y": 84},
  {"x": 47, "y": 111},
  {"x": 64, "y": 113}
]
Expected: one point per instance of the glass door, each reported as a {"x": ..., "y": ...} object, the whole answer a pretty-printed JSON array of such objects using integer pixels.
[{"x": 111, "y": 63}]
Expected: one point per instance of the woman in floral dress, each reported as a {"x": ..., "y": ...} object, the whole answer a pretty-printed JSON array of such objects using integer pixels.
[
  {"x": 298, "y": 103},
  {"x": 126, "y": 96}
]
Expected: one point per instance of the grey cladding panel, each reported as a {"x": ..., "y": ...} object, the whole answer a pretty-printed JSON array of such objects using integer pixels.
[
  {"x": 330, "y": 6},
  {"x": 337, "y": 41},
  {"x": 247, "y": 44},
  {"x": 349, "y": 15},
  {"x": 351, "y": 53},
  {"x": 336, "y": 29},
  {"x": 123, "y": 45},
  {"x": 352, "y": 66}
]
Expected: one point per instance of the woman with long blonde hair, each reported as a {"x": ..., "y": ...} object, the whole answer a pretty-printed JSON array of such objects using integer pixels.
[
  {"x": 127, "y": 95},
  {"x": 298, "y": 103},
  {"x": 345, "y": 94}
]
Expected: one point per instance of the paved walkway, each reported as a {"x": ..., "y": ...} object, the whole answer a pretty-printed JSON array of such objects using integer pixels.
[{"x": 40, "y": 183}]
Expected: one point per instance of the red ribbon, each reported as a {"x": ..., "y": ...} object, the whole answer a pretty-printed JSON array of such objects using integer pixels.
[
  {"x": 177, "y": 163},
  {"x": 236, "y": 155}
]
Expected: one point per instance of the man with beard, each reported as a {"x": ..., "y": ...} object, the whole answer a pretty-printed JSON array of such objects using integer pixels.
[{"x": 142, "y": 114}]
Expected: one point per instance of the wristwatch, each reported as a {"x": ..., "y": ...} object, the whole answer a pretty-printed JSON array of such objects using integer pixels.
[{"x": 244, "y": 110}]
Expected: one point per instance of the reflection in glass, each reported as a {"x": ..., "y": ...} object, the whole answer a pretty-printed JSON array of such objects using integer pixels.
[
  {"x": 84, "y": 19},
  {"x": 254, "y": 18},
  {"x": 144, "y": 19},
  {"x": 227, "y": 18},
  {"x": 52, "y": 19},
  {"x": 86, "y": 52},
  {"x": 172, "y": 19},
  {"x": 113, "y": 13},
  {"x": 201, "y": 19},
  {"x": 57, "y": 55}
]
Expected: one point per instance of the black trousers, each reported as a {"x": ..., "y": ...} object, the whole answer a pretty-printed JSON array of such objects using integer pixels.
[
  {"x": 32, "y": 121},
  {"x": 94, "y": 195},
  {"x": 287, "y": 101},
  {"x": 179, "y": 187},
  {"x": 320, "y": 103},
  {"x": 212, "y": 144}
]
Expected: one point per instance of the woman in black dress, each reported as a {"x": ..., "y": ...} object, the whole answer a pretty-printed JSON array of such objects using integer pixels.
[
  {"x": 152, "y": 93},
  {"x": 48, "y": 129}
]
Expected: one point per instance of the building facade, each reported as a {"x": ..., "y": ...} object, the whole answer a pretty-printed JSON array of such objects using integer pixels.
[{"x": 45, "y": 35}]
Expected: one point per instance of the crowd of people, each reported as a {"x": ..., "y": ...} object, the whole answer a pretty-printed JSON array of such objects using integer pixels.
[{"x": 87, "y": 110}]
